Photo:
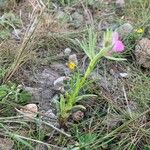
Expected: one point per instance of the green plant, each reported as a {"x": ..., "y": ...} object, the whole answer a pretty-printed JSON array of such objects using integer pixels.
[
  {"x": 138, "y": 11},
  {"x": 85, "y": 139},
  {"x": 89, "y": 45},
  {"x": 11, "y": 92}
]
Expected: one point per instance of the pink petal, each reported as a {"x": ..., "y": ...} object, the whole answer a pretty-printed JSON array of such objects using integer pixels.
[
  {"x": 118, "y": 46},
  {"x": 115, "y": 37}
]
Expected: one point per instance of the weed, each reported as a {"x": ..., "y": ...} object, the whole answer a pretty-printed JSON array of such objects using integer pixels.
[
  {"x": 11, "y": 92},
  {"x": 68, "y": 102}
]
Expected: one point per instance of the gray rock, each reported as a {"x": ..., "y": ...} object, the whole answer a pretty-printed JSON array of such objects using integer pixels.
[
  {"x": 60, "y": 68},
  {"x": 73, "y": 58},
  {"x": 46, "y": 96},
  {"x": 40, "y": 146},
  {"x": 44, "y": 90},
  {"x": 46, "y": 93},
  {"x": 124, "y": 30},
  {"x": 50, "y": 114},
  {"x": 35, "y": 93},
  {"x": 47, "y": 77},
  {"x": 142, "y": 52},
  {"x": 67, "y": 51},
  {"x": 120, "y": 3},
  {"x": 59, "y": 83},
  {"x": 77, "y": 19}
]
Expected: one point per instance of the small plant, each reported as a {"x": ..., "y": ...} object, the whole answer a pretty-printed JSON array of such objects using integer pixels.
[
  {"x": 89, "y": 45},
  {"x": 85, "y": 138},
  {"x": 10, "y": 97},
  {"x": 12, "y": 92}
]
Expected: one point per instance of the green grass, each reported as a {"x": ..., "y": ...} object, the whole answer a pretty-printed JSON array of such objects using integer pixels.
[{"x": 138, "y": 12}]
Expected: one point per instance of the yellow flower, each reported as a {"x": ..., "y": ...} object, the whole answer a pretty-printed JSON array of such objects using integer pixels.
[
  {"x": 71, "y": 65},
  {"x": 140, "y": 30}
]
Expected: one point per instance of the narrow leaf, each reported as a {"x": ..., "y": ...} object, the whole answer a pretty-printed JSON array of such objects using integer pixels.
[
  {"x": 85, "y": 96},
  {"x": 116, "y": 59},
  {"x": 79, "y": 107}
]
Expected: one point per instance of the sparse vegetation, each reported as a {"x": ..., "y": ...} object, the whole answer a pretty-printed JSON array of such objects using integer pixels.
[{"x": 73, "y": 63}]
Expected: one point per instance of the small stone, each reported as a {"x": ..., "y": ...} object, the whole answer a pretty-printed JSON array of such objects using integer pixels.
[
  {"x": 60, "y": 68},
  {"x": 142, "y": 52},
  {"x": 77, "y": 116},
  {"x": 50, "y": 114},
  {"x": 40, "y": 146},
  {"x": 29, "y": 111},
  {"x": 73, "y": 58},
  {"x": 47, "y": 77},
  {"x": 120, "y": 3},
  {"x": 67, "y": 51},
  {"x": 123, "y": 75},
  {"x": 46, "y": 94},
  {"x": 124, "y": 30},
  {"x": 59, "y": 83},
  {"x": 20, "y": 86}
]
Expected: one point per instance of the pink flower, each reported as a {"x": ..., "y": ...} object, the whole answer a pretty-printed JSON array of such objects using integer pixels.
[{"x": 118, "y": 44}]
